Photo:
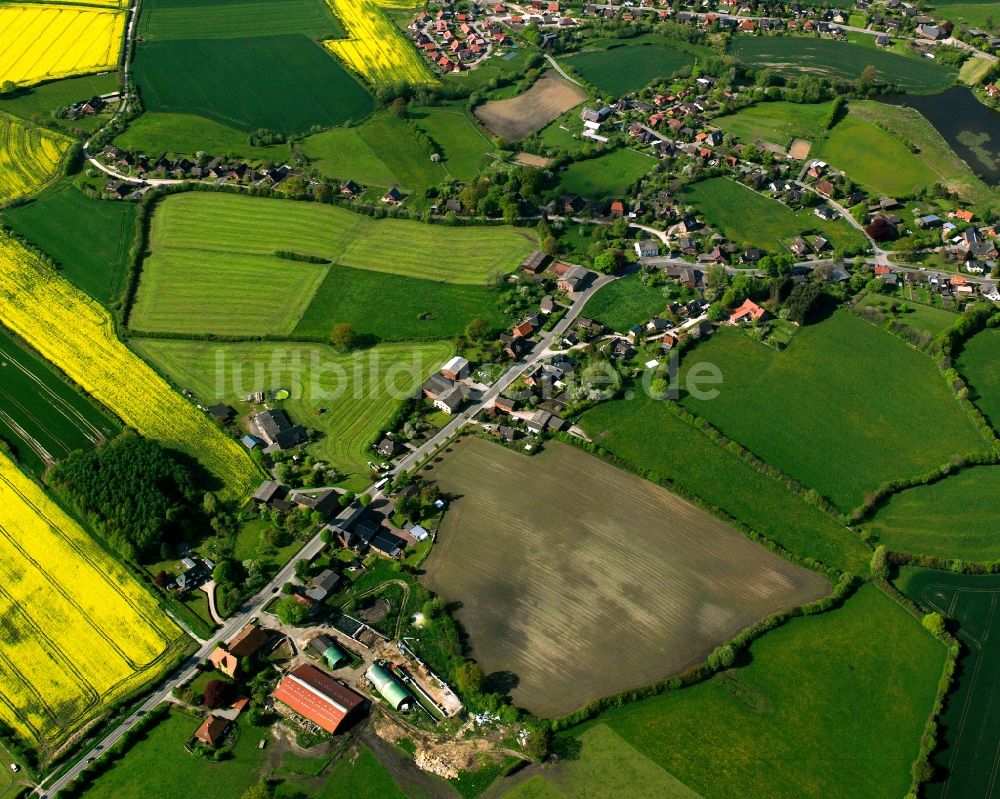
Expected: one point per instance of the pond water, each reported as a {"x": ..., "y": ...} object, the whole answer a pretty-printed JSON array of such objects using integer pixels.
[{"x": 972, "y": 129}]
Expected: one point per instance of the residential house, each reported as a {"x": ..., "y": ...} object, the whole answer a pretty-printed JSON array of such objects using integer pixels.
[
  {"x": 647, "y": 248},
  {"x": 574, "y": 279},
  {"x": 213, "y": 730},
  {"x": 323, "y": 584},
  {"x": 451, "y": 400},
  {"x": 436, "y": 385},
  {"x": 749, "y": 311}
]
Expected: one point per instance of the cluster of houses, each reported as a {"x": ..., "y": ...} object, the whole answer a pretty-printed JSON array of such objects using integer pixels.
[
  {"x": 456, "y": 41},
  {"x": 215, "y": 169}
]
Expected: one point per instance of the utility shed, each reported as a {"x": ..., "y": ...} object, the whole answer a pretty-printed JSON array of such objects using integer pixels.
[
  {"x": 389, "y": 687},
  {"x": 327, "y": 648}
]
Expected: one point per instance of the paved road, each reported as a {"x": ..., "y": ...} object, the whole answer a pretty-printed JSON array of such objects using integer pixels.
[
  {"x": 247, "y": 612},
  {"x": 251, "y": 609},
  {"x": 508, "y": 378}
]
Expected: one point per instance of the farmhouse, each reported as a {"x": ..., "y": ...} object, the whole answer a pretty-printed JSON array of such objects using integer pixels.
[
  {"x": 574, "y": 279},
  {"x": 318, "y": 697},
  {"x": 451, "y": 400},
  {"x": 436, "y": 386},
  {"x": 323, "y": 584},
  {"x": 276, "y": 430},
  {"x": 247, "y": 642}
]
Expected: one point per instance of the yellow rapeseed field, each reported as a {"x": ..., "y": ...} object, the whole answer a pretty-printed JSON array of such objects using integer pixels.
[
  {"x": 76, "y": 334},
  {"x": 77, "y": 631},
  {"x": 375, "y": 48},
  {"x": 40, "y": 42},
  {"x": 29, "y": 157}
]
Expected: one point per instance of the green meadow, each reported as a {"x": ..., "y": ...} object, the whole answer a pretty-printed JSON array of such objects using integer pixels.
[{"x": 818, "y": 409}]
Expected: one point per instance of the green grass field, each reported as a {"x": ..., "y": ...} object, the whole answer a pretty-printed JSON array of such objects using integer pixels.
[
  {"x": 160, "y": 759},
  {"x": 382, "y": 151},
  {"x": 977, "y": 13},
  {"x": 43, "y": 416},
  {"x": 245, "y": 226},
  {"x": 348, "y": 398},
  {"x": 829, "y": 705},
  {"x": 250, "y": 83},
  {"x": 795, "y": 55},
  {"x": 88, "y": 239},
  {"x": 626, "y": 302},
  {"x": 977, "y": 362},
  {"x": 873, "y": 158},
  {"x": 936, "y": 155},
  {"x": 819, "y": 410},
  {"x": 186, "y": 134},
  {"x": 912, "y": 314},
  {"x": 605, "y": 759},
  {"x": 218, "y": 19},
  {"x": 465, "y": 148},
  {"x": 777, "y": 122},
  {"x": 607, "y": 176},
  {"x": 967, "y": 760},
  {"x": 620, "y": 66},
  {"x": 952, "y": 518},
  {"x": 646, "y": 434},
  {"x": 751, "y": 220},
  {"x": 38, "y": 102},
  {"x": 395, "y": 307}
]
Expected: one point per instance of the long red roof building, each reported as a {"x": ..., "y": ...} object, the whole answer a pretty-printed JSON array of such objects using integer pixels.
[{"x": 318, "y": 697}]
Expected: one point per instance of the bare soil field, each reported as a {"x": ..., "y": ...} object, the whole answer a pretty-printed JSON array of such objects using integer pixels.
[
  {"x": 583, "y": 580},
  {"x": 799, "y": 149},
  {"x": 527, "y": 159},
  {"x": 520, "y": 116}
]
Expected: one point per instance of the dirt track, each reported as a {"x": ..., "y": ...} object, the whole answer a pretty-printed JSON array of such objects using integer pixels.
[{"x": 520, "y": 116}]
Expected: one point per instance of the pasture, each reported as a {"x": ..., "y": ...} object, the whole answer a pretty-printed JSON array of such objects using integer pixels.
[
  {"x": 876, "y": 160},
  {"x": 250, "y": 83},
  {"x": 236, "y": 19},
  {"x": 975, "y": 13},
  {"x": 777, "y": 122},
  {"x": 752, "y": 220},
  {"x": 79, "y": 633},
  {"x": 516, "y": 117},
  {"x": 42, "y": 416},
  {"x": 620, "y": 66},
  {"x": 968, "y": 759},
  {"x": 977, "y": 363},
  {"x": 349, "y": 398},
  {"x": 952, "y": 518},
  {"x": 914, "y": 314},
  {"x": 43, "y": 42},
  {"x": 838, "y": 60},
  {"x": 646, "y": 434},
  {"x": 604, "y": 582},
  {"x": 826, "y": 705},
  {"x": 382, "y": 151},
  {"x": 375, "y": 48},
  {"x": 188, "y": 134},
  {"x": 37, "y": 103},
  {"x": 816, "y": 410},
  {"x": 606, "y": 176},
  {"x": 30, "y": 157},
  {"x": 395, "y": 308},
  {"x": 464, "y": 147},
  {"x": 201, "y": 223},
  {"x": 87, "y": 239},
  {"x": 626, "y": 302},
  {"x": 76, "y": 334}
]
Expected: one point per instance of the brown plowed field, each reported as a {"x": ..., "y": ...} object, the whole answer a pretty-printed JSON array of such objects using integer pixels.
[
  {"x": 584, "y": 580},
  {"x": 520, "y": 116}
]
